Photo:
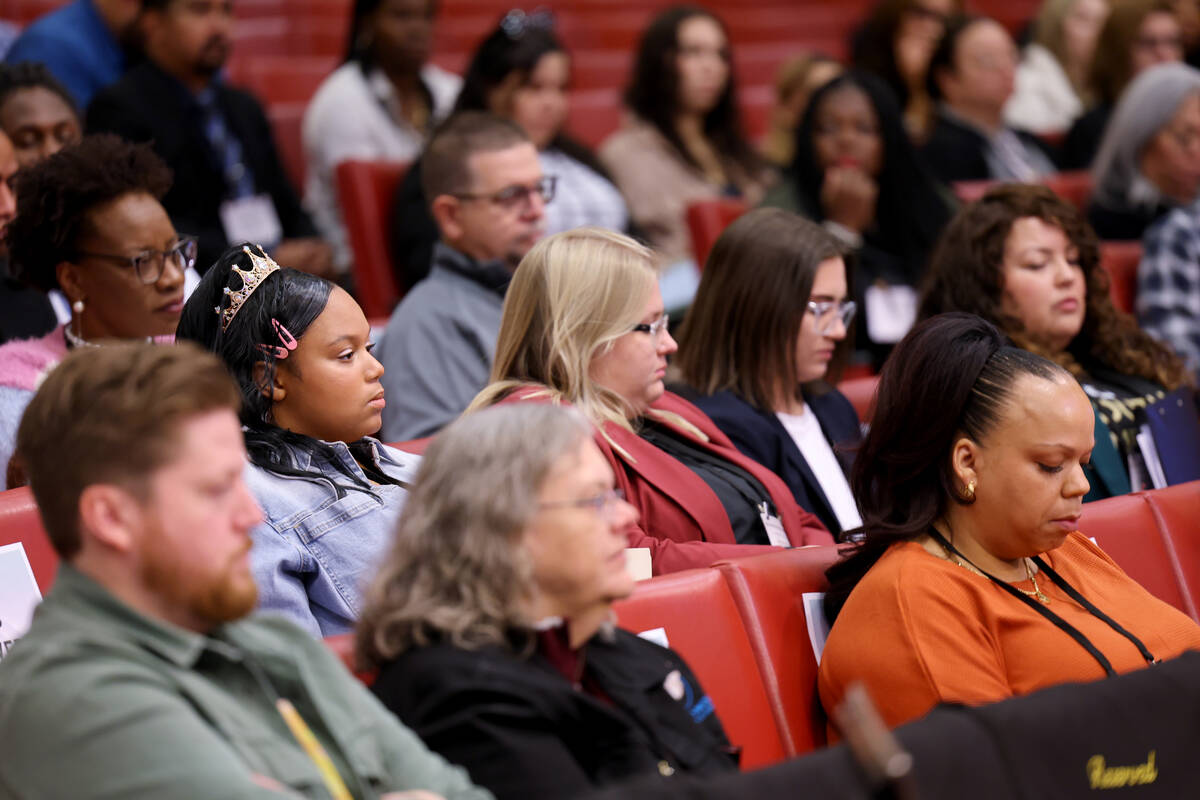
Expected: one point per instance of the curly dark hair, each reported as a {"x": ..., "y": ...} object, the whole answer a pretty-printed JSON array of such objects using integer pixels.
[
  {"x": 653, "y": 91},
  {"x": 32, "y": 75},
  {"x": 966, "y": 274},
  {"x": 57, "y": 193}
]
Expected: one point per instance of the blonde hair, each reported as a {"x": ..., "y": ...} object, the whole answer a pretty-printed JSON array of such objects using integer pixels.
[{"x": 574, "y": 294}]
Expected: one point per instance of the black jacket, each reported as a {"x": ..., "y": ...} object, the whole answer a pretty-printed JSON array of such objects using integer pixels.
[
  {"x": 148, "y": 105},
  {"x": 955, "y": 152},
  {"x": 759, "y": 434},
  {"x": 522, "y": 730}
]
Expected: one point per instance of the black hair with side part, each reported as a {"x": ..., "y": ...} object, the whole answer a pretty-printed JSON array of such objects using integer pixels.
[
  {"x": 295, "y": 299},
  {"x": 32, "y": 75},
  {"x": 951, "y": 376},
  {"x": 944, "y": 58}
]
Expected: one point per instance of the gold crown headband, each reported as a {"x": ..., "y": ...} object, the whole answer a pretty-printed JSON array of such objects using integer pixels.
[{"x": 263, "y": 265}]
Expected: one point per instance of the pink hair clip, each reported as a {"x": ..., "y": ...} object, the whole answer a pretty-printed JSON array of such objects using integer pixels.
[{"x": 285, "y": 336}]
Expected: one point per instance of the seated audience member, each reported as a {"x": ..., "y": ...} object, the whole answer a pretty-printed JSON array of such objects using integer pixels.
[
  {"x": 584, "y": 324},
  {"x": 683, "y": 141},
  {"x": 1149, "y": 162},
  {"x": 229, "y": 184},
  {"x": 856, "y": 173},
  {"x": 380, "y": 105},
  {"x": 1051, "y": 88},
  {"x": 1168, "y": 283},
  {"x": 1025, "y": 260},
  {"x": 299, "y": 350},
  {"x": 521, "y": 71},
  {"x": 525, "y": 680},
  {"x": 798, "y": 78},
  {"x": 971, "y": 79},
  {"x": 895, "y": 44},
  {"x": 972, "y": 583},
  {"x": 1137, "y": 35},
  {"x": 139, "y": 663},
  {"x": 84, "y": 44},
  {"x": 761, "y": 359},
  {"x": 91, "y": 225},
  {"x": 25, "y": 313},
  {"x": 488, "y": 195},
  {"x": 36, "y": 112}
]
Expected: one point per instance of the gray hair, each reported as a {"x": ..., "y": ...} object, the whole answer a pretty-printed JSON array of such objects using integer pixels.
[
  {"x": 1148, "y": 104},
  {"x": 456, "y": 570}
]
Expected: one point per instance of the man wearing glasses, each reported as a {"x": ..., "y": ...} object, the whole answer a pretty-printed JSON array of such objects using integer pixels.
[{"x": 488, "y": 196}]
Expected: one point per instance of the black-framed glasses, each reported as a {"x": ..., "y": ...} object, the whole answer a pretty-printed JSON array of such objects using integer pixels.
[
  {"x": 148, "y": 265},
  {"x": 601, "y": 503},
  {"x": 828, "y": 312},
  {"x": 653, "y": 328},
  {"x": 517, "y": 196}
]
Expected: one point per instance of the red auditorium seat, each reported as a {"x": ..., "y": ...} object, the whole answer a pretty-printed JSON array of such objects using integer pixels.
[
  {"x": 861, "y": 394},
  {"x": 702, "y": 624},
  {"x": 593, "y": 115},
  {"x": 768, "y": 591},
  {"x": 415, "y": 446},
  {"x": 286, "y": 121},
  {"x": 20, "y": 522},
  {"x": 1177, "y": 511},
  {"x": 1120, "y": 260},
  {"x": 1075, "y": 187},
  {"x": 1128, "y": 530},
  {"x": 365, "y": 190},
  {"x": 281, "y": 79},
  {"x": 707, "y": 219},
  {"x": 342, "y": 646}
]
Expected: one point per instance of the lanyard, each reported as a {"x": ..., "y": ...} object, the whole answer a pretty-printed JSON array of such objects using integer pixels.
[{"x": 1058, "y": 621}]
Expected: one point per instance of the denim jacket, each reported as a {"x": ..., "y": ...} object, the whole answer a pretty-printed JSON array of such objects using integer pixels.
[{"x": 315, "y": 552}]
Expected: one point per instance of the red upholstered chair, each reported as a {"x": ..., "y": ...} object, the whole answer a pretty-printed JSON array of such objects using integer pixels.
[
  {"x": 707, "y": 219},
  {"x": 702, "y": 623},
  {"x": 861, "y": 394},
  {"x": 365, "y": 190},
  {"x": 286, "y": 120},
  {"x": 1075, "y": 187},
  {"x": 415, "y": 446},
  {"x": 1127, "y": 528},
  {"x": 1177, "y": 510},
  {"x": 768, "y": 591},
  {"x": 1120, "y": 260},
  {"x": 342, "y": 646},
  {"x": 21, "y": 523}
]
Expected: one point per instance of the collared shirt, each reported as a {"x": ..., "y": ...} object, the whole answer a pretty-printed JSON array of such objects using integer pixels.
[
  {"x": 76, "y": 46},
  {"x": 1007, "y": 156},
  {"x": 1168, "y": 292},
  {"x": 320, "y": 544},
  {"x": 99, "y": 701},
  {"x": 583, "y": 196}
]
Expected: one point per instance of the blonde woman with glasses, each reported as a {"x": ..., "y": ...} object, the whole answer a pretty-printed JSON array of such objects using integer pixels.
[{"x": 583, "y": 324}]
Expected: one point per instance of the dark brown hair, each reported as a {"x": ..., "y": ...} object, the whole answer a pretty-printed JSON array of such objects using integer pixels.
[
  {"x": 966, "y": 273},
  {"x": 111, "y": 415},
  {"x": 1112, "y": 66},
  {"x": 740, "y": 333},
  {"x": 445, "y": 164}
]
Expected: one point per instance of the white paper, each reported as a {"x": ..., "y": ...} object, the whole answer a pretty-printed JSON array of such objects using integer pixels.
[
  {"x": 656, "y": 635},
  {"x": 19, "y": 595},
  {"x": 891, "y": 310},
  {"x": 1145, "y": 440},
  {"x": 252, "y": 219},
  {"x": 637, "y": 563},
  {"x": 814, "y": 615}
]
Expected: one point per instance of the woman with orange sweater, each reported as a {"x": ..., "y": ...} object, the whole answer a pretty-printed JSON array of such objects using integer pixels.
[{"x": 970, "y": 582}]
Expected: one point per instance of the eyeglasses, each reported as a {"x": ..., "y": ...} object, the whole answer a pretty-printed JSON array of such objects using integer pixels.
[
  {"x": 148, "y": 265},
  {"x": 517, "y": 197},
  {"x": 829, "y": 312},
  {"x": 516, "y": 22},
  {"x": 602, "y": 503},
  {"x": 653, "y": 328}
]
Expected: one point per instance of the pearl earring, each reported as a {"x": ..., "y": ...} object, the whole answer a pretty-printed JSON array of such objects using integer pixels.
[{"x": 77, "y": 306}]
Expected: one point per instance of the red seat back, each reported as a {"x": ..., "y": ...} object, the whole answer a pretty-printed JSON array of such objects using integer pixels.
[
  {"x": 21, "y": 523},
  {"x": 702, "y": 624},
  {"x": 1075, "y": 187},
  {"x": 365, "y": 191},
  {"x": 342, "y": 645},
  {"x": 1127, "y": 529},
  {"x": 1120, "y": 261},
  {"x": 706, "y": 219},
  {"x": 861, "y": 394},
  {"x": 1177, "y": 510},
  {"x": 415, "y": 446},
  {"x": 287, "y": 120},
  {"x": 768, "y": 591}
]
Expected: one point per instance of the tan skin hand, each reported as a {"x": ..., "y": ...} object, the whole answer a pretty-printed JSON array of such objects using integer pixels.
[
  {"x": 310, "y": 255},
  {"x": 848, "y": 197}
]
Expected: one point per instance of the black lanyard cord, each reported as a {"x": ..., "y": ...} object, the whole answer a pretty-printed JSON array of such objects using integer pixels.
[{"x": 1058, "y": 621}]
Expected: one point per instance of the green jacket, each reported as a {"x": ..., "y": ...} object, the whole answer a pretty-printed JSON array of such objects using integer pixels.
[{"x": 97, "y": 701}]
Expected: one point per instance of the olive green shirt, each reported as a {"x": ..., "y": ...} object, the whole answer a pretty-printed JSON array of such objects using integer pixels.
[{"x": 98, "y": 701}]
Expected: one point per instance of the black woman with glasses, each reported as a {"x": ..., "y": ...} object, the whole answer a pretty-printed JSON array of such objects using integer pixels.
[
  {"x": 763, "y": 342},
  {"x": 91, "y": 225}
]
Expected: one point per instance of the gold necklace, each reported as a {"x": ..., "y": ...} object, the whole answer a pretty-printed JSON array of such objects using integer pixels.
[{"x": 1036, "y": 594}]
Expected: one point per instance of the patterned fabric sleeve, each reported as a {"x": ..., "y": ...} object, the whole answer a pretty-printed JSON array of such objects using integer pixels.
[{"x": 1168, "y": 295}]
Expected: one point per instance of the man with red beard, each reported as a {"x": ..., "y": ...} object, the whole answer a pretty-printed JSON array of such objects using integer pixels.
[
  {"x": 139, "y": 677},
  {"x": 229, "y": 184}
]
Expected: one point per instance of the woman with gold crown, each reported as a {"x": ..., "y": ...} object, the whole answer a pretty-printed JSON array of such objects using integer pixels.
[{"x": 300, "y": 349}]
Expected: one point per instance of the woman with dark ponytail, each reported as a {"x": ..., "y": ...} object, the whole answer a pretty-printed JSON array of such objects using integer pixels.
[
  {"x": 969, "y": 581},
  {"x": 299, "y": 349}
]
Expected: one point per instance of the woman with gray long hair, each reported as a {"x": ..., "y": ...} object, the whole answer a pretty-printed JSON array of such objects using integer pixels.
[
  {"x": 491, "y": 620},
  {"x": 1149, "y": 160}
]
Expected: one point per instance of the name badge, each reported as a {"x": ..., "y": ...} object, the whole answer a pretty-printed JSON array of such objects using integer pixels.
[
  {"x": 891, "y": 311},
  {"x": 773, "y": 525},
  {"x": 252, "y": 219}
]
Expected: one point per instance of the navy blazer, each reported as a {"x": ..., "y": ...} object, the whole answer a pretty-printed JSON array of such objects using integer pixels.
[{"x": 759, "y": 434}]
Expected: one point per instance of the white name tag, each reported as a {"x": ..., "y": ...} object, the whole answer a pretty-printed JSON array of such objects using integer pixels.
[
  {"x": 251, "y": 219},
  {"x": 776, "y": 535},
  {"x": 891, "y": 311},
  {"x": 19, "y": 595}
]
